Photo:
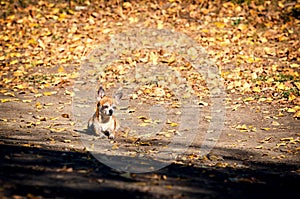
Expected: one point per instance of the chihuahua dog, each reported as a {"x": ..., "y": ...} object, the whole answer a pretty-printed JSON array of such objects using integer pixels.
[{"x": 103, "y": 121}]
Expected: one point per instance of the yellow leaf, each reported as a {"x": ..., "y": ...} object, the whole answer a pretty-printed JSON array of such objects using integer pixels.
[
  {"x": 13, "y": 62},
  {"x": 248, "y": 99},
  {"x": 275, "y": 123},
  {"x": 280, "y": 114},
  {"x": 39, "y": 62},
  {"x": 26, "y": 101},
  {"x": 69, "y": 93},
  {"x": 54, "y": 118},
  {"x": 9, "y": 94},
  {"x": 21, "y": 86},
  {"x": 242, "y": 128},
  {"x": 166, "y": 134},
  {"x": 114, "y": 147},
  {"x": 38, "y": 95},
  {"x": 242, "y": 26},
  {"x": 287, "y": 139},
  {"x": 294, "y": 65},
  {"x": 292, "y": 97},
  {"x": 160, "y": 24},
  {"x": 270, "y": 51},
  {"x": 159, "y": 92},
  {"x": 55, "y": 10},
  {"x": 256, "y": 89},
  {"x": 265, "y": 129},
  {"x": 134, "y": 96},
  {"x": 9, "y": 100},
  {"x": 57, "y": 129},
  {"x": 169, "y": 186},
  {"x": 297, "y": 84},
  {"x": 74, "y": 75},
  {"x": 18, "y": 73},
  {"x": 297, "y": 114},
  {"x": 65, "y": 115},
  {"x": 49, "y": 93},
  {"x": 62, "y": 16},
  {"x": 173, "y": 124},
  {"x": 219, "y": 24},
  {"x": 61, "y": 69},
  {"x": 265, "y": 140},
  {"x": 281, "y": 144},
  {"x": 142, "y": 117},
  {"x": 281, "y": 86},
  {"x": 253, "y": 129},
  {"x": 147, "y": 121},
  {"x": 291, "y": 110},
  {"x": 263, "y": 40},
  {"x": 38, "y": 105},
  {"x": 41, "y": 44},
  {"x": 259, "y": 147}
]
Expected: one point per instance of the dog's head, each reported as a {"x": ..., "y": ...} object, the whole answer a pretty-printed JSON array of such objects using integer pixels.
[{"x": 106, "y": 105}]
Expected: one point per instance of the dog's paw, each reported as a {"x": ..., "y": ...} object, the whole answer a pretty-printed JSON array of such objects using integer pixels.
[{"x": 111, "y": 136}]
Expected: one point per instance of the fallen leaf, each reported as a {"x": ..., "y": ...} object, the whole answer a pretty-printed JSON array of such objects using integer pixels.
[
  {"x": 248, "y": 99},
  {"x": 49, "y": 93},
  {"x": 275, "y": 123},
  {"x": 26, "y": 101},
  {"x": 265, "y": 140},
  {"x": 142, "y": 117},
  {"x": 287, "y": 139},
  {"x": 65, "y": 115},
  {"x": 281, "y": 144},
  {"x": 61, "y": 69},
  {"x": 38, "y": 105},
  {"x": 291, "y": 110},
  {"x": 297, "y": 114},
  {"x": 9, "y": 100}
]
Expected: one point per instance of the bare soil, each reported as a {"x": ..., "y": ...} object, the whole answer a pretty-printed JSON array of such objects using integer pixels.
[{"x": 37, "y": 162}]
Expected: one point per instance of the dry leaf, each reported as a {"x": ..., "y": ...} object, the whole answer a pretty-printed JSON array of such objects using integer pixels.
[
  {"x": 50, "y": 93},
  {"x": 297, "y": 114}
]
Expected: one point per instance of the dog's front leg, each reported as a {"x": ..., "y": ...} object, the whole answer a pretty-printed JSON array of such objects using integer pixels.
[{"x": 111, "y": 135}]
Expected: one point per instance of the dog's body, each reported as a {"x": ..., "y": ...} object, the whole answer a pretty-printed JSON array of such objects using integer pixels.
[{"x": 103, "y": 121}]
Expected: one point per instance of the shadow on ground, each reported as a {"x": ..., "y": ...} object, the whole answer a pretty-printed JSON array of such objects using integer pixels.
[{"x": 29, "y": 171}]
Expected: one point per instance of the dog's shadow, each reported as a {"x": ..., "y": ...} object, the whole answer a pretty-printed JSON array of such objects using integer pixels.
[
  {"x": 85, "y": 131},
  {"x": 91, "y": 134}
]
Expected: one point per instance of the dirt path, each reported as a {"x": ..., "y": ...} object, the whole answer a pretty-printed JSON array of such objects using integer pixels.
[{"x": 44, "y": 157}]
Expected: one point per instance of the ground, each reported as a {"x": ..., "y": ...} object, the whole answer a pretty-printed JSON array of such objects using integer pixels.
[{"x": 48, "y": 65}]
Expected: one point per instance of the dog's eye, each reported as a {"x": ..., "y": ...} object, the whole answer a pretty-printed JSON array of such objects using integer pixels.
[
  {"x": 105, "y": 106},
  {"x": 114, "y": 107}
]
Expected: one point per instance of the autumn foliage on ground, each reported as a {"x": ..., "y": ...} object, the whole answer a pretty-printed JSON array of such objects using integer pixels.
[{"x": 255, "y": 43}]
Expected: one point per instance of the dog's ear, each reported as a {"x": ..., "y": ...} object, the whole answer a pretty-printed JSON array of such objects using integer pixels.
[
  {"x": 118, "y": 96},
  {"x": 101, "y": 93}
]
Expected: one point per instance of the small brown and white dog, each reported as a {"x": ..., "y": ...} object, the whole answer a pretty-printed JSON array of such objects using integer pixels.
[{"x": 103, "y": 121}]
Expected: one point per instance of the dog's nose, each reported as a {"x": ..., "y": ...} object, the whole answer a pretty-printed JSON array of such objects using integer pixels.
[{"x": 110, "y": 112}]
